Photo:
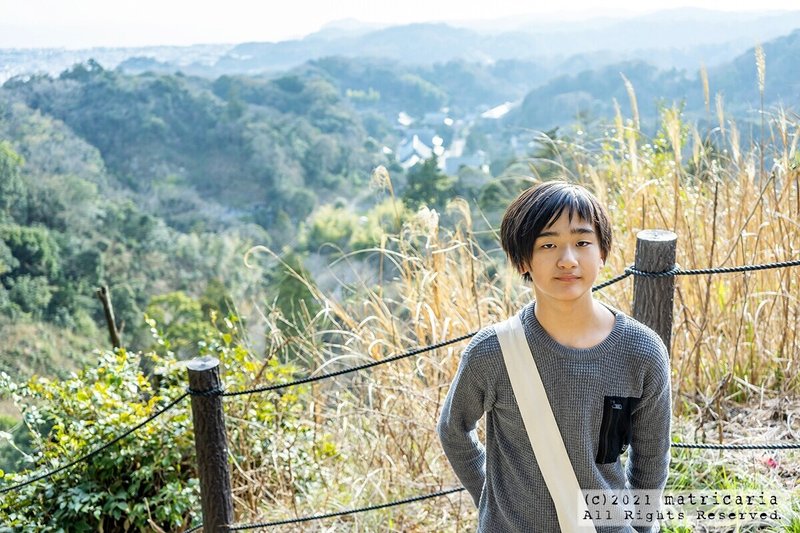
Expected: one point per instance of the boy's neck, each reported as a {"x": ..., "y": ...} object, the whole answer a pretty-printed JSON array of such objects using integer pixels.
[{"x": 582, "y": 323}]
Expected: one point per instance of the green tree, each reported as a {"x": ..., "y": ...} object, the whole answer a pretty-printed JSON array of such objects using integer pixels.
[
  {"x": 30, "y": 294},
  {"x": 427, "y": 185},
  {"x": 331, "y": 225},
  {"x": 35, "y": 250},
  {"x": 126, "y": 307},
  {"x": 12, "y": 188},
  {"x": 7, "y": 260},
  {"x": 182, "y": 321}
]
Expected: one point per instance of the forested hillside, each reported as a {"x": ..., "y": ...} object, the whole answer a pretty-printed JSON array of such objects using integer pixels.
[
  {"x": 158, "y": 131},
  {"x": 154, "y": 184},
  {"x": 68, "y": 227}
]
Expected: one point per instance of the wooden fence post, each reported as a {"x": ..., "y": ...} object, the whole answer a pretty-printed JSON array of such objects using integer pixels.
[
  {"x": 653, "y": 297},
  {"x": 211, "y": 445},
  {"x": 104, "y": 295}
]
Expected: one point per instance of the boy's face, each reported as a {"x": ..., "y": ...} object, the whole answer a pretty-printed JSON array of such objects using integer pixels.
[{"x": 566, "y": 260}]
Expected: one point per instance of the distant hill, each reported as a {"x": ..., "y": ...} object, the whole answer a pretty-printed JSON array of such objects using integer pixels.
[
  {"x": 681, "y": 38},
  {"x": 53, "y": 61},
  {"x": 737, "y": 80},
  {"x": 415, "y": 43},
  {"x": 592, "y": 92},
  {"x": 682, "y": 29}
]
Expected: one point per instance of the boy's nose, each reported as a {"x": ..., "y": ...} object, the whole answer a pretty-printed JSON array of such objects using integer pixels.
[{"x": 567, "y": 259}]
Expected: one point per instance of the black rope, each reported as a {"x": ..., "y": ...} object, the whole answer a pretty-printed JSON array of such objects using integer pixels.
[
  {"x": 195, "y": 528},
  {"x": 786, "y": 446},
  {"x": 677, "y": 271},
  {"x": 243, "y": 527},
  {"x": 744, "y": 268},
  {"x": 351, "y": 369},
  {"x": 98, "y": 450},
  {"x": 611, "y": 281},
  {"x": 217, "y": 391},
  {"x": 674, "y": 271}
]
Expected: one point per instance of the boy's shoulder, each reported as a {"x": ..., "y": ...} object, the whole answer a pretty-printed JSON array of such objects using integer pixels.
[
  {"x": 483, "y": 342},
  {"x": 483, "y": 350}
]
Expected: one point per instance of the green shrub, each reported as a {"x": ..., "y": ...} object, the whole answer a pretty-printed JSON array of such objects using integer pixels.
[
  {"x": 144, "y": 478},
  {"x": 147, "y": 481}
]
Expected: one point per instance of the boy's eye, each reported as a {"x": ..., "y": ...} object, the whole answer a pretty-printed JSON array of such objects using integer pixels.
[
  {"x": 548, "y": 245},
  {"x": 584, "y": 243}
]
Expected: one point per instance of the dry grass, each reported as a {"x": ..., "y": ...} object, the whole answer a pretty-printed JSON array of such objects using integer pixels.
[
  {"x": 734, "y": 338},
  {"x": 728, "y": 326}
]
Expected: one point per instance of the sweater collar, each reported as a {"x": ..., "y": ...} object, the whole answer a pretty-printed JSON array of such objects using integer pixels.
[{"x": 540, "y": 339}]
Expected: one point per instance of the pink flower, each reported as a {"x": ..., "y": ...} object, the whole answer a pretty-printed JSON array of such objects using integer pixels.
[{"x": 769, "y": 462}]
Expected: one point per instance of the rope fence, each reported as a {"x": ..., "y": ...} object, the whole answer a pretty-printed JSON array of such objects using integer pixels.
[
  {"x": 218, "y": 391},
  {"x": 244, "y": 527},
  {"x": 371, "y": 364},
  {"x": 678, "y": 271},
  {"x": 703, "y": 446},
  {"x": 348, "y": 370}
]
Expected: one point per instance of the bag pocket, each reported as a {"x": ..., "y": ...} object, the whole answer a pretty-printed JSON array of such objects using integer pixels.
[{"x": 615, "y": 430}]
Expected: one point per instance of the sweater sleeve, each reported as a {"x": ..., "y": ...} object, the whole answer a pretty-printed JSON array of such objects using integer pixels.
[
  {"x": 457, "y": 428},
  {"x": 649, "y": 455}
]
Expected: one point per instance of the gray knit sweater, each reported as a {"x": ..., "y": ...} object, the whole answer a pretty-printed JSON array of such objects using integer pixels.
[{"x": 603, "y": 398}]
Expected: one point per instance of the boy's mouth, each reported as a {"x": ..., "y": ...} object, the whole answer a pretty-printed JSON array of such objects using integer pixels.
[{"x": 567, "y": 278}]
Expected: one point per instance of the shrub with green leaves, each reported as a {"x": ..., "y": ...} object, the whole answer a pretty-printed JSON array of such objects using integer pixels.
[
  {"x": 143, "y": 482},
  {"x": 147, "y": 481}
]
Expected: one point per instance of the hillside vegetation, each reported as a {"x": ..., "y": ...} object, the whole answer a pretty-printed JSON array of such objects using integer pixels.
[{"x": 154, "y": 184}]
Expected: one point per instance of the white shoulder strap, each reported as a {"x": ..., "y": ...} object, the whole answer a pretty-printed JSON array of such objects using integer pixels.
[{"x": 543, "y": 432}]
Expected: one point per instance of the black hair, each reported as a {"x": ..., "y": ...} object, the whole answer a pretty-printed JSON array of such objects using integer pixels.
[{"x": 537, "y": 208}]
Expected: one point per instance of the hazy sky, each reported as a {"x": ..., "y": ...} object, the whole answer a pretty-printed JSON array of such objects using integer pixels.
[{"x": 86, "y": 23}]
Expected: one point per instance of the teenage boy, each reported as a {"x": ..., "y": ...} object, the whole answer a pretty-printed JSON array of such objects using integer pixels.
[{"x": 606, "y": 377}]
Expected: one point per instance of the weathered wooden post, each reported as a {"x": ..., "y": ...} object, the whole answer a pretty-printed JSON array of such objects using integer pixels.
[
  {"x": 211, "y": 444},
  {"x": 653, "y": 297},
  {"x": 104, "y": 295}
]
